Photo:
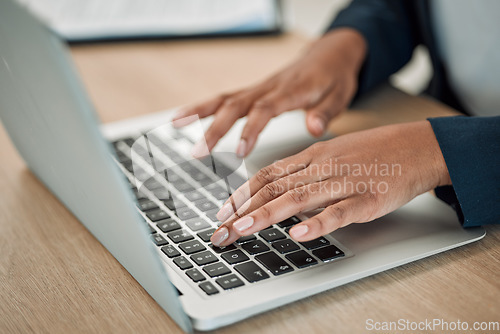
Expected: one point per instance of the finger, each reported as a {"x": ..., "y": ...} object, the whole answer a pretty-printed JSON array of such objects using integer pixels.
[
  {"x": 264, "y": 176},
  {"x": 335, "y": 216},
  {"x": 317, "y": 118},
  {"x": 204, "y": 109},
  {"x": 277, "y": 188},
  {"x": 232, "y": 109},
  {"x": 256, "y": 121},
  {"x": 294, "y": 201},
  {"x": 271, "y": 105}
]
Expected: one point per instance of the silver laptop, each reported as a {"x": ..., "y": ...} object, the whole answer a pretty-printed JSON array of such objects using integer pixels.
[{"x": 137, "y": 190}]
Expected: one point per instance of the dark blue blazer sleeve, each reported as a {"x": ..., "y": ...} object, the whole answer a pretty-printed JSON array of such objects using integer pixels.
[
  {"x": 471, "y": 149},
  {"x": 389, "y": 32},
  {"x": 470, "y": 145}
]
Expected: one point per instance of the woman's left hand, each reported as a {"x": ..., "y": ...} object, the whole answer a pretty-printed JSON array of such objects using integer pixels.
[{"x": 356, "y": 177}]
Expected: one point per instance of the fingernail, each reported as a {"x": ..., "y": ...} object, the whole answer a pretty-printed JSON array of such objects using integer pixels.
[
  {"x": 225, "y": 212},
  {"x": 181, "y": 121},
  {"x": 200, "y": 149},
  {"x": 219, "y": 236},
  {"x": 243, "y": 223},
  {"x": 299, "y": 231},
  {"x": 318, "y": 124},
  {"x": 179, "y": 114},
  {"x": 242, "y": 148}
]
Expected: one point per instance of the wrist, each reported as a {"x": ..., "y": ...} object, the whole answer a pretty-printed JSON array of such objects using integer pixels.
[
  {"x": 434, "y": 172},
  {"x": 341, "y": 46}
]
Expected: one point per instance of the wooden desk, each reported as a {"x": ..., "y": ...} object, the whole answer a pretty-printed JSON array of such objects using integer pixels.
[{"x": 55, "y": 277}]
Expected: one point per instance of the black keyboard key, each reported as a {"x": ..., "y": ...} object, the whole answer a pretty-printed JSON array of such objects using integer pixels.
[
  {"x": 327, "y": 253},
  {"x": 216, "y": 269},
  {"x": 129, "y": 141},
  {"x": 289, "y": 222},
  {"x": 173, "y": 204},
  {"x": 194, "y": 196},
  {"x": 159, "y": 240},
  {"x": 205, "y": 205},
  {"x": 168, "y": 225},
  {"x": 183, "y": 187},
  {"x": 179, "y": 236},
  {"x": 170, "y": 251},
  {"x": 152, "y": 184},
  {"x": 213, "y": 187},
  {"x": 285, "y": 246},
  {"x": 177, "y": 158},
  {"x": 212, "y": 215},
  {"x": 313, "y": 244},
  {"x": 206, "y": 235},
  {"x": 151, "y": 229},
  {"x": 271, "y": 234},
  {"x": 162, "y": 194},
  {"x": 195, "y": 275},
  {"x": 209, "y": 288},
  {"x": 301, "y": 259},
  {"x": 200, "y": 177},
  {"x": 255, "y": 247},
  {"x": 220, "y": 195},
  {"x": 247, "y": 238},
  {"x": 173, "y": 177},
  {"x": 274, "y": 263},
  {"x": 157, "y": 215},
  {"x": 183, "y": 263},
  {"x": 191, "y": 247},
  {"x": 122, "y": 157},
  {"x": 251, "y": 272},
  {"x": 235, "y": 256},
  {"x": 219, "y": 250},
  {"x": 205, "y": 181},
  {"x": 139, "y": 194},
  {"x": 197, "y": 224},
  {"x": 128, "y": 166},
  {"x": 147, "y": 205},
  {"x": 185, "y": 214},
  {"x": 229, "y": 282},
  {"x": 203, "y": 258}
]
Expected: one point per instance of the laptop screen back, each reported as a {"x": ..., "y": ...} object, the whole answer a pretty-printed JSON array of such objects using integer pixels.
[{"x": 50, "y": 120}]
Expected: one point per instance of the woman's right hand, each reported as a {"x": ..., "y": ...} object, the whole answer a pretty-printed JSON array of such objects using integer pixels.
[{"x": 322, "y": 82}]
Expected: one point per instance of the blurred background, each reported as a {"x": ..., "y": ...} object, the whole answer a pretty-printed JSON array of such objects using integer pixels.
[
  {"x": 312, "y": 17},
  {"x": 79, "y": 21}
]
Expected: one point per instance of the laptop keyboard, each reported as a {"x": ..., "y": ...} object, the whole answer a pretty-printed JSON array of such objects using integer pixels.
[{"x": 179, "y": 206}]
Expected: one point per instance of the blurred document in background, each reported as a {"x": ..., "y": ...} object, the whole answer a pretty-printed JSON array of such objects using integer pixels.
[{"x": 90, "y": 20}]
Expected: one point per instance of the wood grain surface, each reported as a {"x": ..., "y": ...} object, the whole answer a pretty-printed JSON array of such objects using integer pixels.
[{"x": 55, "y": 277}]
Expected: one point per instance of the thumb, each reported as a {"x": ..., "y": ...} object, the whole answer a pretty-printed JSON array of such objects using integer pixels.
[
  {"x": 317, "y": 118},
  {"x": 316, "y": 122}
]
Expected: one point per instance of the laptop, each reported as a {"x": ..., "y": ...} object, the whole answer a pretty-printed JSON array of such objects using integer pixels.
[
  {"x": 94, "y": 20},
  {"x": 135, "y": 187}
]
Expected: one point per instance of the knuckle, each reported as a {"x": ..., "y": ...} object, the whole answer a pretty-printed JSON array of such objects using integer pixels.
[
  {"x": 314, "y": 149},
  {"x": 372, "y": 204},
  {"x": 263, "y": 106},
  {"x": 338, "y": 213},
  {"x": 265, "y": 212},
  {"x": 272, "y": 190},
  {"x": 233, "y": 102},
  {"x": 265, "y": 175},
  {"x": 321, "y": 224},
  {"x": 299, "y": 196}
]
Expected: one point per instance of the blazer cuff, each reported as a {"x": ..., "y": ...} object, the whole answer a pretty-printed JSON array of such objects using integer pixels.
[{"x": 471, "y": 150}]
